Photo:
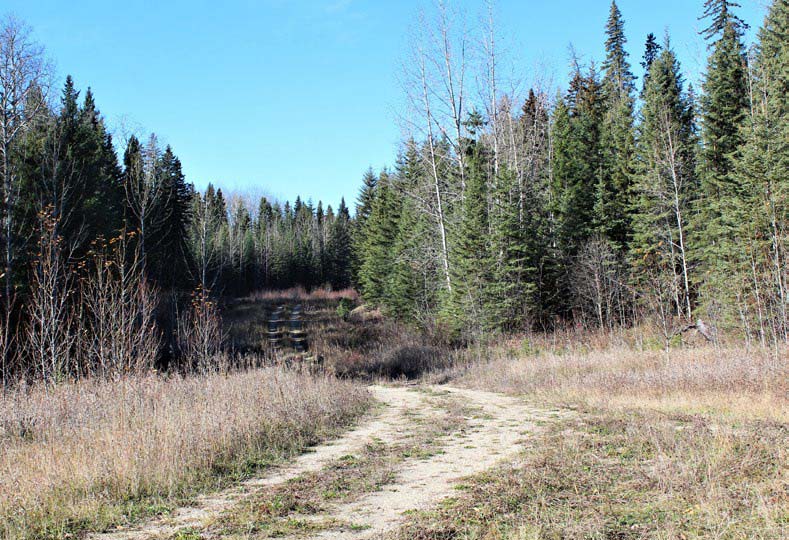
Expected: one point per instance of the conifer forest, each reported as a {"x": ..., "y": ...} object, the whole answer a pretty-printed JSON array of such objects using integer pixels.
[{"x": 561, "y": 311}]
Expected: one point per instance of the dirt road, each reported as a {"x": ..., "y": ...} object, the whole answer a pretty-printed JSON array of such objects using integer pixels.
[{"x": 425, "y": 464}]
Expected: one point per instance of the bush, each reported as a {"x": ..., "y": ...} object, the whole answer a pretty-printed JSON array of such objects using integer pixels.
[
  {"x": 344, "y": 308},
  {"x": 411, "y": 361}
]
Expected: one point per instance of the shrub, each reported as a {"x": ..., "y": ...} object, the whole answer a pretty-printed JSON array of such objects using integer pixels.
[
  {"x": 344, "y": 307},
  {"x": 411, "y": 361}
]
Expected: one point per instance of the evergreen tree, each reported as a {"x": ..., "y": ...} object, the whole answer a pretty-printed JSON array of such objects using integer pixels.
[
  {"x": 511, "y": 288},
  {"x": 338, "y": 248},
  {"x": 665, "y": 188},
  {"x": 410, "y": 290},
  {"x": 364, "y": 206},
  {"x": 724, "y": 108},
  {"x": 577, "y": 163},
  {"x": 761, "y": 171},
  {"x": 651, "y": 51},
  {"x": 720, "y": 13},
  {"x": 170, "y": 254},
  {"x": 617, "y": 137},
  {"x": 471, "y": 249},
  {"x": 379, "y": 237}
]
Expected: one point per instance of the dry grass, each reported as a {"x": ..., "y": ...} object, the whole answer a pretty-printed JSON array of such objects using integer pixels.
[
  {"x": 89, "y": 455},
  {"x": 734, "y": 382},
  {"x": 302, "y": 295},
  {"x": 685, "y": 444},
  {"x": 626, "y": 476}
]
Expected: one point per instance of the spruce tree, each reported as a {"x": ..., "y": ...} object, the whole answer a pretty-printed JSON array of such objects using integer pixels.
[
  {"x": 724, "y": 108},
  {"x": 651, "y": 51},
  {"x": 617, "y": 137},
  {"x": 338, "y": 248},
  {"x": 762, "y": 172},
  {"x": 721, "y": 13},
  {"x": 509, "y": 295},
  {"x": 169, "y": 254},
  {"x": 410, "y": 290},
  {"x": 665, "y": 189},
  {"x": 380, "y": 232},
  {"x": 364, "y": 206},
  {"x": 577, "y": 160},
  {"x": 471, "y": 249}
]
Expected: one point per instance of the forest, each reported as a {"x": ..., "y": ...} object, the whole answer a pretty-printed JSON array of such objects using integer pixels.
[
  {"x": 613, "y": 203},
  {"x": 103, "y": 253}
]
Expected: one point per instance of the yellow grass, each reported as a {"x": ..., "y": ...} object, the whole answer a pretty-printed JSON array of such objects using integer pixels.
[
  {"x": 729, "y": 381},
  {"x": 89, "y": 455}
]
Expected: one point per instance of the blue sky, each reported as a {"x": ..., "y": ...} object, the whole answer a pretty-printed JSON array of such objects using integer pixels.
[{"x": 299, "y": 97}]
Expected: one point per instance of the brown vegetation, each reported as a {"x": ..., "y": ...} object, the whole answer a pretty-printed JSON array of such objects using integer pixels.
[
  {"x": 736, "y": 382},
  {"x": 91, "y": 454}
]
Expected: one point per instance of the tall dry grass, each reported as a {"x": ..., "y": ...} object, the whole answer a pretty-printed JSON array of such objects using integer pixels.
[
  {"x": 303, "y": 295},
  {"x": 750, "y": 384},
  {"x": 87, "y": 455}
]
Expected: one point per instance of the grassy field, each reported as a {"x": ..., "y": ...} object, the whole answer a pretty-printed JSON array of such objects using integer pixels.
[
  {"x": 87, "y": 456},
  {"x": 686, "y": 444}
]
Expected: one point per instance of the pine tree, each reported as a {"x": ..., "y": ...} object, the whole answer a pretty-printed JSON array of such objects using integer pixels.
[
  {"x": 665, "y": 189},
  {"x": 380, "y": 232},
  {"x": 617, "y": 137},
  {"x": 724, "y": 107}
]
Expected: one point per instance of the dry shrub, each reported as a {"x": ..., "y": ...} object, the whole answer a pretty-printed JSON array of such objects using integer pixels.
[
  {"x": 411, "y": 362},
  {"x": 84, "y": 455},
  {"x": 372, "y": 346},
  {"x": 117, "y": 310},
  {"x": 200, "y": 335}
]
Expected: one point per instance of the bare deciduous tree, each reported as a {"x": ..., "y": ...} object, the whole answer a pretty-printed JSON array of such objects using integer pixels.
[
  {"x": 119, "y": 333},
  {"x": 52, "y": 327}
]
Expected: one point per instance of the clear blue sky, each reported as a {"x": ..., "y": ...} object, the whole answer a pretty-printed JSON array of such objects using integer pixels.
[{"x": 299, "y": 97}]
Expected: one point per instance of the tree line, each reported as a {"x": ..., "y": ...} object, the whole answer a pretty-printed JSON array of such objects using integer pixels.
[
  {"x": 110, "y": 264},
  {"x": 613, "y": 203}
]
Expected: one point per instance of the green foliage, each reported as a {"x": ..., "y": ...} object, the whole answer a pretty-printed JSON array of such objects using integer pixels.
[
  {"x": 665, "y": 186},
  {"x": 380, "y": 231},
  {"x": 724, "y": 109},
  {"x": 577, "y": 160}
]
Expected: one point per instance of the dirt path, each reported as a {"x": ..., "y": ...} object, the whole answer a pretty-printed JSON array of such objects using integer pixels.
[{"x": 489, "y": 435}]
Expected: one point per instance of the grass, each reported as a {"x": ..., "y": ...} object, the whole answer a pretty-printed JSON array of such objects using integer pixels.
[
  {"x": 685, "y": 444},
  {"x": 617, "y": 476},
  {"x": 732, "y": 382},
  {"x": 91, "y": 455}
]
